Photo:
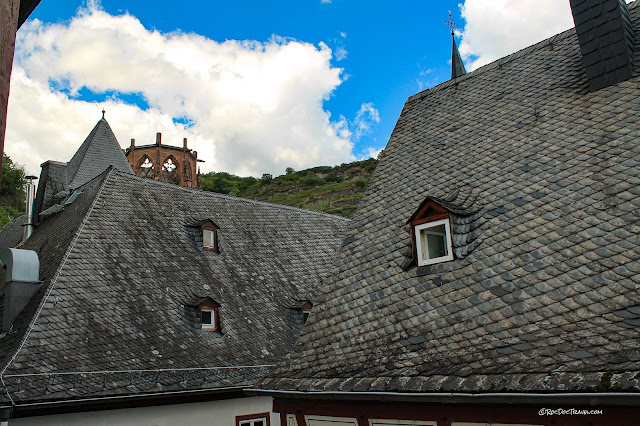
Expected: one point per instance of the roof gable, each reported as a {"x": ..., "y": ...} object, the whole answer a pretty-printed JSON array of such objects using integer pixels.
[{"x": 98, "y": 151}]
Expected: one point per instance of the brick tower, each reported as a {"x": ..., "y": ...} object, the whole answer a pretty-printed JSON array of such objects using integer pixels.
[{"x": 165, "y": 163}]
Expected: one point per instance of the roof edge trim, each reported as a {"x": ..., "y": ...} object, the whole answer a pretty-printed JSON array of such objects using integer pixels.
[
  {"x": 141, "y": 398},
  {"x": 595, "y": 399}
]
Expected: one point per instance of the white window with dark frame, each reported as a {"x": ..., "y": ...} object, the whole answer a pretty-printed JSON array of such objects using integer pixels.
[
  {"x": 209, "y": 315},
  {"x": 208, "y": 318},
  {"x": 433, "y": 242},
  {"x": 210, "y": 241},
  {"x": 209, "y": 238}
]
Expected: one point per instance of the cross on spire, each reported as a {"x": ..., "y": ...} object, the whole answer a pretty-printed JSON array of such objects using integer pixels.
[{"x": 452, "y": 25}]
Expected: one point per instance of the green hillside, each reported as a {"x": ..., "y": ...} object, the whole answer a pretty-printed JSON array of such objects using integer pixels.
[{"x": 335, "y": 190}]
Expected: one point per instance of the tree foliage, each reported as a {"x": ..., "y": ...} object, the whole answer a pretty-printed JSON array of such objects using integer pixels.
[
  {"x": 12, "y": 186},
  {"x": 334, "y": 190},
  {"x": 11, "y": 191}
]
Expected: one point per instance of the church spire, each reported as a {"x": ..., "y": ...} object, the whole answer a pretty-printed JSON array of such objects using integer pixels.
[{"x": 457, "y": 67}]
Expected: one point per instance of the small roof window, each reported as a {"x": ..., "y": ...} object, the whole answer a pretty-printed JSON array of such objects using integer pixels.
[
  {"x": 209, "y": 315},
  {"x": 210, "y": 236},
  {"x": 431, "y": 234},
  {"x": 203, "y": 234},
  {"x": 306, "y": 311},
  {"x": 433, "y": 242}
]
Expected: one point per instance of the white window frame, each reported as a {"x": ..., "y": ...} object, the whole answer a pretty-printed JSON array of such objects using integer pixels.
[
  {"x": 387, "y": 422},
  {"x": 214, "y": 320},
  {"x": 250, "y": 422},
  {"x": 322, "y": 420},
  {"x": 447, "y": 237},
  {"x": 213, "y": 238}
]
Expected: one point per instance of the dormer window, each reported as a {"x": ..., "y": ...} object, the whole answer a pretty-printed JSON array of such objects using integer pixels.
[
  {"x": 209, "y": 236},
  {"x": 431, "y": 234},
  {"x": 306, "y": 311},
  {"x": 209, "y": 315},
  {"x": 433, "y": 242},
  {"x": 208, "y": 319}
]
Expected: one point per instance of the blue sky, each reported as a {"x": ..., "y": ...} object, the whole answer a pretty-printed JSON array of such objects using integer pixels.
[{"x": 256, "y": 86}]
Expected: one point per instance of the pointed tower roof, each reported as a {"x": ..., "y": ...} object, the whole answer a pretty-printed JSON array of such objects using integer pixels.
[
  {"x": 457, "y": 67},
  {"x": 99, "y": 151}
]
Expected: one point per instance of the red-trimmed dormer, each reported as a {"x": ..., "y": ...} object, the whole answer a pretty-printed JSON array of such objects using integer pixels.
[{"x": 431, "y": 233}]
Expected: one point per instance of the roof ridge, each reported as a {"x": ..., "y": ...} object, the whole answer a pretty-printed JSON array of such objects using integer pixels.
[
  {"x": 56, "y": 275},
  {"x": 498, "y": 62},
  {"x": 232, "y": 197}
]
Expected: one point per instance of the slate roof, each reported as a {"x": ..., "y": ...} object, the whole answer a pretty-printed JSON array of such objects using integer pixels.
[
  {"x": 98, "y": 151},
  {"x": 546, "y": 297},
  {"x": 121, "y": 266}
]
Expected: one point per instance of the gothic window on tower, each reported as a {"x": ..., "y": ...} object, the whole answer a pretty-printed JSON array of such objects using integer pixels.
[
  {"x": 169, "y": 170},
  {"x": 146, "y": 167}
]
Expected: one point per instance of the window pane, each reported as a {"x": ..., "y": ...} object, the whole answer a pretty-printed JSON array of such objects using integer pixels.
[
  {"x": 207, "y": 238},
  {"x": 437, "y": 245},
  {"x": 433, "y": 242},
  {"x": 207, "y": 317},
  {"x": 258, "y": 423}
]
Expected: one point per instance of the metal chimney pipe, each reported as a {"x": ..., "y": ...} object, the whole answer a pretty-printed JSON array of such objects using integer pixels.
[{"x": 31, "y": 192}]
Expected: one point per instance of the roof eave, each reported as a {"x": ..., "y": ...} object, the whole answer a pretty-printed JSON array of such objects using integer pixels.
[
  {"x": 27, "y": 409},
  {"x": 502, "y": 398}
]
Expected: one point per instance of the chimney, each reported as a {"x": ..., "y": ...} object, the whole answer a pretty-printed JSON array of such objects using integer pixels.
[
  {"x": 31, "y": 192},
  {"x": 184, "y": 143},
  {"x": 133, "y": 142},
  {"x": 606, "y": 40},
  {"x": 158, "y": 138},
  {"x": 21, "y": 283}
]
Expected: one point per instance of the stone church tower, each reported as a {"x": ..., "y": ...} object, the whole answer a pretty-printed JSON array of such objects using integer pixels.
[{"x": 165, "y": 163}]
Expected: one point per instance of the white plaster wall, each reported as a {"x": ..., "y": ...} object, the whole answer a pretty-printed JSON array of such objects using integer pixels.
[{"x": 213, "y": 413}]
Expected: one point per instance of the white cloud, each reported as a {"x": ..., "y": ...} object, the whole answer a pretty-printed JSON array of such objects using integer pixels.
[
  {"x": 341, "y": 53},
  {"x": 325, "y": 1},
  {"x": 255, "y": 107},
  {"x": 500, "y": 27},
  {"x": 366, "y": 117}
]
